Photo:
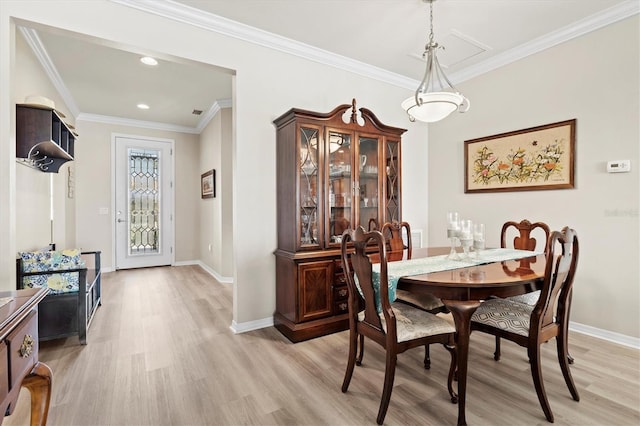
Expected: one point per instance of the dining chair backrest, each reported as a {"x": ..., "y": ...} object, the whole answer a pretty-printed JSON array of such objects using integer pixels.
[
  {"x": 553, "y": 304},
  {"x": 357, "y": 265},
  {"x": 378, "y": 323},
  {"x": 396, "y": 246},
  {"x": 524, "y": 234}
]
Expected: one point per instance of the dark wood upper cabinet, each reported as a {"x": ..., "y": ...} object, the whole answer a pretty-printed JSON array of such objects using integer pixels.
[{"x": 43, "y": 140}]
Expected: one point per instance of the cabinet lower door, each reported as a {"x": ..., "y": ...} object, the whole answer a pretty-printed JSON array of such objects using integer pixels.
[{"x": 315, "y": 297}]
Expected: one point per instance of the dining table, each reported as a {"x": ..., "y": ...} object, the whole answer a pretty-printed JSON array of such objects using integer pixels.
[{"x": 462, "y": 289}]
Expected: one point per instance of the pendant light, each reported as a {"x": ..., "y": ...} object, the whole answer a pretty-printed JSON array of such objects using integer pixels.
[{"x": 434, "y": 100}]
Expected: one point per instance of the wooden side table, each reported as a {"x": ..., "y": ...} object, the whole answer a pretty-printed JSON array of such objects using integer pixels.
[{"x": 19, "y": 365}]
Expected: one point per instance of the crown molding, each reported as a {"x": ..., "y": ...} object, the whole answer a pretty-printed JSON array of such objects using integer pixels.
[
  {"x": 577, "y": 29},
  {"x": 215, "y": 108},
  {"x": 199, "y": 18},
  {"x": 196, "y": 17},
  {"x": 218, "y": 24},
  {"x": 107, "y": 119},
  {"x": 33, "y": 40}
]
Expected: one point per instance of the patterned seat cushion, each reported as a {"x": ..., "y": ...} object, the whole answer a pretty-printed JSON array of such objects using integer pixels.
[
  {"x": 505, "y": 315},
  {"x": 413, "y": 323},
  {"x": 527, "y": 298},
  {"x": 40, "y": 261},
  {"x": 425, "y": 301}
]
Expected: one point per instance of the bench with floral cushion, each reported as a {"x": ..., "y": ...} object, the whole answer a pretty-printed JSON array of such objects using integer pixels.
[{"x": 73, "y": 278}]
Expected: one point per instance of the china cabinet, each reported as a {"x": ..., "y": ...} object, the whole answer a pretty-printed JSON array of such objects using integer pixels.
[{"x": 335, "y": 171}]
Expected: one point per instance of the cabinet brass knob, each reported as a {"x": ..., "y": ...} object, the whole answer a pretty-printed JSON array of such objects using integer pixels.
[{"x": 27, "y": 346}]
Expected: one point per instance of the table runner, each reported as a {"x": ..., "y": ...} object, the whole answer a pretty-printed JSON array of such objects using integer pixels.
[{"x": 425, "y": 265}]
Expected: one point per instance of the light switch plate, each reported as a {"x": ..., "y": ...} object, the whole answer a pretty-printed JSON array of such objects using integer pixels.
[{"x": 619, "y": 166}]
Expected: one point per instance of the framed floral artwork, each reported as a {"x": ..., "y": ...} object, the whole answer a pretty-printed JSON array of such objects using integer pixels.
[
  {"x": 524, "y": 160},
  {"x": 208, "y": 184}
]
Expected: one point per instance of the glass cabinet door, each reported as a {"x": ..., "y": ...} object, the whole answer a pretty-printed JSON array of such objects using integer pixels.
[
  {"x": 309, "y": 184},
  {"x": 368, "y": 179},
  {"x": 339, "y": 191},
  {"x": 392, "y": 181}
]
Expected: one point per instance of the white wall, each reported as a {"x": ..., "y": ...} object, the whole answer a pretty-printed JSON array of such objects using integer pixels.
[
  {"x": 94, "y": 188},
  {"x": 567, "y": 81},
  {"x": 292, "y": 82},
  {"x": 216, "y": 220},
  {"x": 600, "y": 88},
  {"x": 33, "y": 187}
]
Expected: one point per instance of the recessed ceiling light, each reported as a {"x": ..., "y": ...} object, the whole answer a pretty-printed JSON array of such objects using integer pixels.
[
  {"x": 147, "y": 60},
  {"x": 143, "y": 106}
]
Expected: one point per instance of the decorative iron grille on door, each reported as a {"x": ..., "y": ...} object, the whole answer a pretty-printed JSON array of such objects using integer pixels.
[{"x": 144, "y": 201}]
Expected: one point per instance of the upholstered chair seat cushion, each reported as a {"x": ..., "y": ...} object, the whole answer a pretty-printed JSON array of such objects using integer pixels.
[
  {"x": 505, "y": 315},
  {"x": 527, "y": 298},
  {"x": 425, "y": 301},
  {"x": 413, "y": 323}
]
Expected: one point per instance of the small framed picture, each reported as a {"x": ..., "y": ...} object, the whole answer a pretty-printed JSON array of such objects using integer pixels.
[{"x": 208, "y": 184}]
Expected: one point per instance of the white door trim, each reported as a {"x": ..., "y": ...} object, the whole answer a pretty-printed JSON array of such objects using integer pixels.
[{"x": 114, "y": 136}]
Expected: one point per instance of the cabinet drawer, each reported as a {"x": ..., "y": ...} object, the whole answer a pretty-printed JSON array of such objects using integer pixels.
[
  {"x": 341, "y": 307},
  {"x": 340, "y": 293},
  {"x": 4, "y": 372},
  {"x": 22, "y": 345}
]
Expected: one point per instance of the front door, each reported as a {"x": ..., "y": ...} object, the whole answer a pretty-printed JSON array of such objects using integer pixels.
[{"x": 143, "y": 202}]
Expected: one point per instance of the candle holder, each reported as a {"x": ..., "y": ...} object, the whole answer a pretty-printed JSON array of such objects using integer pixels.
[
  {"x": 453, "y": 232},
  {"x": 478, "y": 239},
  {"x": 466, "y": 237}
]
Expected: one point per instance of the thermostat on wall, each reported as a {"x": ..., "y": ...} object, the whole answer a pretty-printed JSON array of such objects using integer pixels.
[{"x": 619, "y": 166}]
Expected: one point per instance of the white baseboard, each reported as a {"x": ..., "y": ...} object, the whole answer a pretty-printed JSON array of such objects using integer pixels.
[
  {"x": 610, "y": 336},
  {"x": 251, "y": 325},
  {"x": 213, "y": 273}
]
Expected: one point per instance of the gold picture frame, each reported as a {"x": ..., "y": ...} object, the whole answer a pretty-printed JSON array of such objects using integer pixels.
[
  {"x": 531, "y": 159},
  {"x": 208, "y": 184}
]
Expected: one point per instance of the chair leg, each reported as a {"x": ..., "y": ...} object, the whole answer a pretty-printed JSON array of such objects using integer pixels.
[
  {"x": 353, "y": 341},
  {"x": 452, "y": 372},
  {"x": 536, "y": 373},
  {"x": 565, "y": 359},
  {"x": 427, "y": 358},
  {"x": 389, "y": 375},
  {"x": 496, "y": 354},
  {"x": 361, "y": 354}
]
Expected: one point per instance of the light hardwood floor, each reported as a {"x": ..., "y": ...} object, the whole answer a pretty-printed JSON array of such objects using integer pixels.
[{"x": 160, "y": 352}]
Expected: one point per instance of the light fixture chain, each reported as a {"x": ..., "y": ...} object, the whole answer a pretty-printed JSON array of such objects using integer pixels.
[{"x": 431, "y": 23}]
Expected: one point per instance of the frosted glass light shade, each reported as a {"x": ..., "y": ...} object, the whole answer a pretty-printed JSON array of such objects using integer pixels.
[{"x": 435, "y": 105}]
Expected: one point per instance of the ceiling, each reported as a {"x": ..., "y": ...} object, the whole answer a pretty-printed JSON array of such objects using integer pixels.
[{"x": 102, "y": 81}]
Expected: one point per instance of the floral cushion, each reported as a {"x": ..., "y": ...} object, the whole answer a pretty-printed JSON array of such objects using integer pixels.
[{"x": 39, "y": 261}]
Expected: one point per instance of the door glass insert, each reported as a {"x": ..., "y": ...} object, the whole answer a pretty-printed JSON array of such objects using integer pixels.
[
  {"x": 340, "y": 188},
  {"x": 309, "y": 143},
  {"x": 368, "y": 181},
  {"x": 144, "y": 201}
]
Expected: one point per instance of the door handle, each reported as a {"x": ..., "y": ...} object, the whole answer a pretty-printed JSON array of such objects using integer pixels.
[{"x": 120, "y": 220}]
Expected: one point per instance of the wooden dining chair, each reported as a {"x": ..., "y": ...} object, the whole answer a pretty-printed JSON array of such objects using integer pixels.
[
  {"x": 530, "y": 326},
  {"x": 523, "y": 237},
  {"x": 396, "y": 327},
  {"x": 397, "y": 249}
]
